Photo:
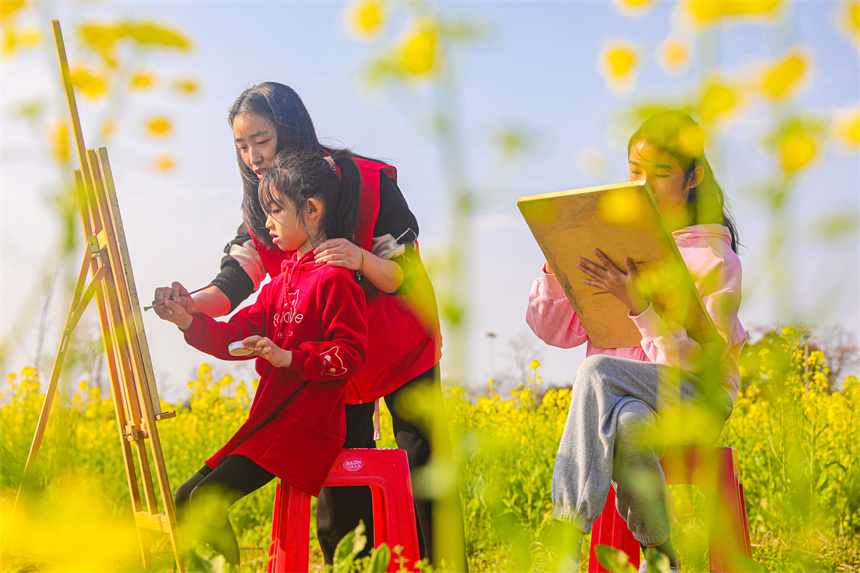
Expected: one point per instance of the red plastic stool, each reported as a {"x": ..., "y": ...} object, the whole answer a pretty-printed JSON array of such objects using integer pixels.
[
  {"x": 386, "y": 471},
  {"x": 715, "y": 471}
]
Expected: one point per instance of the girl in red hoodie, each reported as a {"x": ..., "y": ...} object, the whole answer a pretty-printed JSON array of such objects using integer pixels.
[{"x": 308, "y": 329}]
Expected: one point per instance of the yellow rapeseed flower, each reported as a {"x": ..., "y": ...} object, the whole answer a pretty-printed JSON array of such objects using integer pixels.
[
  {"x": 848, "y": 20},
  {"x": 29, "y": 37},
  {"x": 419, "y": 52},
  {"x": 691, "y": 140},
  {"x": 782, "y": 80},
  {"x": 709, "y": 12},
  {"x": 108, "y": 128},
  {"x": 8, "y": 8},
  {"x": 163, "y": 163},
  {"x": 158, "y": 126},
  {"x": 673, "y": 55},
  {"x": 618, "y": 63},
  {"x": 61, "y": 149},
  {"x": 846, "y": 127},
  {"x": 141, "y": 81},
  {"x": 186, "y": 86},
  {"x": 718, "y": 101},
  {"x": 365, "y": 19},
  {"x": 633, "y": 7},
  {"x": 797, "y": 150},
  {"x": 91, "y": 85},
  {"x": 534, "y": 364},
  {"x": 621, "y": 207}
]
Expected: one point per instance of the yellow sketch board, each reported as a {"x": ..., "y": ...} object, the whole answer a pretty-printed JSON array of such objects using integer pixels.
[{"x": 622, "y": 221}]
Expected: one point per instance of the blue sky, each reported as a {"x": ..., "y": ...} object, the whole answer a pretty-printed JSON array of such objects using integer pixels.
[{"x": 534, "y": 69}]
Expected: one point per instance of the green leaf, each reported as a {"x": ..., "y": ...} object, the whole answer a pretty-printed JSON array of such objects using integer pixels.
[
  {"x": 379, "y": 559},
  {"x": 657, "y": 561},
  {"x": 351, "y": 545},
  {"x": 614, "y": 560},
  {"x": 343, "y": 554}
]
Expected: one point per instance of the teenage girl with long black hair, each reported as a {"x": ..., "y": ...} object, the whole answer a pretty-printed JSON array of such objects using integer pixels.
[
  {"x": 619, "y": 395},
  {"x": 404, "y": 344}
]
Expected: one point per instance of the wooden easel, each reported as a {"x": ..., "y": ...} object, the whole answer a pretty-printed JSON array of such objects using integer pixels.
[{"x": 132, "y": 382}]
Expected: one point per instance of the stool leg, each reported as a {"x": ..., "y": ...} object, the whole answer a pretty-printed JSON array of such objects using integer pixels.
[
  {"x": 290, "y": 531},
  {"x": 276, "y": 535},
  {"x": 611, "y": 529},
  {"x": 401, "y": 524},
  {"x": 380, "y": 510},
  {"x": 730, "y": 537}
]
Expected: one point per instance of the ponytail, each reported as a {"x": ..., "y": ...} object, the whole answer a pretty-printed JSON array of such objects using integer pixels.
[{"x": 342, "y": 217}]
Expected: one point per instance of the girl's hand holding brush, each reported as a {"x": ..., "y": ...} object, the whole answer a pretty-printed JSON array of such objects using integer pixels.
[{"x": 175, "y": 293}]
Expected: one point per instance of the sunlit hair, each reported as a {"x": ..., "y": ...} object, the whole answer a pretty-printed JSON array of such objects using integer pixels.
[
  {"x": 296, "y": 176},
  {"x": 681, "y": 137},
  {"x": 283, "y": 107}
]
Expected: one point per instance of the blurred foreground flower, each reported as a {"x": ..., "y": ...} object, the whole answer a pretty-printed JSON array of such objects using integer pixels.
[
  {"x": 419, "y": 52},
  {"x": 846, "y": 127},
  {"x": 633, "y": 7},
  {"x": 108, "y": 128},
  {"x": 68, "y": 527},
  {"x": 796, "y": 145},
  {"x": 158, "y": 127},
  {"x": 718, "y": 102},
  {"x": 710, "y": 12},
  {"x": 848, "y": 20},
  {"x": 783, "y": 79},
  {"x": 91, "y": 85},
  {"x": 8, "y": 8},
  {"x": 365, "y": 19},
  {"x": 618, "y": 63},
  {"x": 61, "y": 149},
  {"x": 163, "y": 163},
  {"x": 673, "y": 55},
  {"x": 141, "y": 81},
  {"x": 186, "y": 86},
  {"x": 621, "y": 207}
]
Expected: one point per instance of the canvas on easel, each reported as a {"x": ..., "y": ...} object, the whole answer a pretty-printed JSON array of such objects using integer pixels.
[
  {"x": 621, "y": 220},
  {"x": 133, "y": 387}
]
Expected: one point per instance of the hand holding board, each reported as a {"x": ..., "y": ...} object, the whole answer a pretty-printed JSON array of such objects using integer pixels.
[{"x": 622, "y": 221}]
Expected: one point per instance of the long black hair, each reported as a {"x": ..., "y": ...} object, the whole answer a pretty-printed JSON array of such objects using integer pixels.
[
  {"x": 681, "y": 137},
  {"x": 283, "y": 107},
  {"x": 296, "y": 176}
]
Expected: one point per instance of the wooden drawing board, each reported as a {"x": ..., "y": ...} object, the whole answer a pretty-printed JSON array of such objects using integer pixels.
[{"x": 622, "y": 221}]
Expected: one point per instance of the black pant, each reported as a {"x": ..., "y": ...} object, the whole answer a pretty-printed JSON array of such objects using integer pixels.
[
  {"x": 339, "y": 509},
  {"x": 205, "y": 497}
]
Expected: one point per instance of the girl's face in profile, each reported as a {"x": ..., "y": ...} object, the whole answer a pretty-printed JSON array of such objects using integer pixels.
[
  {"x": 665, "y": 177},
  {"x": 257, "y": 140},
  {"x": 285, "y": 228}
]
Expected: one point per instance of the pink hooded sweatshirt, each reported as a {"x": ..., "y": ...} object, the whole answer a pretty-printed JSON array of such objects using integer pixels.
[{"x": 716, "y": 270}]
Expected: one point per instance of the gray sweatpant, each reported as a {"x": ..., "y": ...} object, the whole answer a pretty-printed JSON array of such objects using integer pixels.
[{"x": 612, "y": 434}]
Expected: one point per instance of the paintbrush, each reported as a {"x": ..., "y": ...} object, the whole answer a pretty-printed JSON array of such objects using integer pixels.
[{"x": 189, "y": 294}]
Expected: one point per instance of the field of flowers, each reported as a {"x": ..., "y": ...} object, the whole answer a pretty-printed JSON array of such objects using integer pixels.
[{"x": 797, "y": 441}]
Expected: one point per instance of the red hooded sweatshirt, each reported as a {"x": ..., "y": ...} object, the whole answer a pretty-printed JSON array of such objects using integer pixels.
[
  {"x": 296, "y": 426},
  {"x": 404, "y": 340}
]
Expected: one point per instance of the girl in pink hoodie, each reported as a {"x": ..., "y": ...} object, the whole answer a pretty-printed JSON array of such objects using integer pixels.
[{"x": 620, "y": 395}]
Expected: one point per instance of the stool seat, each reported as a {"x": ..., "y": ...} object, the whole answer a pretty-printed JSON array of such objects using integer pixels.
[
  {"x": 714, "y": 470},
  {"x": 386, "y": 472}
]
